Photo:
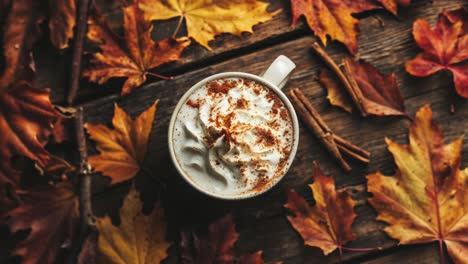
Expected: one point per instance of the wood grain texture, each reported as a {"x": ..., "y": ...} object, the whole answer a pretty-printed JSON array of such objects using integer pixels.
[{"x": 261, "y": 221}]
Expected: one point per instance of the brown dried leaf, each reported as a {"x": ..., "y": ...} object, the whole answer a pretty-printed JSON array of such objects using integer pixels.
[
  {"x": 380, "y": 93},
  {"x": 52, "y": 216},
  {"x": 326, "y": 225},
  {"x": 26, "y": 119},
  {"x": 135, "y": 57},
  {"x": 336, "y": 95},
  {"x": 20, "y": 32},
  {"x": 62, "y": 19},
  {"x": 216, "y": 247}
]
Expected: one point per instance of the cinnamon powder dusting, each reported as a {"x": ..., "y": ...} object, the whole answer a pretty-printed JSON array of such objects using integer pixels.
[
  {"x": 193, "y": 104},
  {"x": 265, "y": 137},
  {"x": 223, "y": 87}
]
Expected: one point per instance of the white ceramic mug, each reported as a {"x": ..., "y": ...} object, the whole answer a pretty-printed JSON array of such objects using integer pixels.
[{"x": 274, "y": 78}]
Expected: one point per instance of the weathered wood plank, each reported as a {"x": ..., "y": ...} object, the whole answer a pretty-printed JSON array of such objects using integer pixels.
[{"x": 261, "y": 221}]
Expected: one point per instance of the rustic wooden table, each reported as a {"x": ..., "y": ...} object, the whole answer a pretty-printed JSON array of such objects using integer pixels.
[{"x": 385, "y": 41}]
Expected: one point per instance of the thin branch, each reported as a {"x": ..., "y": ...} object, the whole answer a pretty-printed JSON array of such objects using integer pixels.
[
  {"x": 80, "y": 35},
  {"x": 86, "y": 212}
]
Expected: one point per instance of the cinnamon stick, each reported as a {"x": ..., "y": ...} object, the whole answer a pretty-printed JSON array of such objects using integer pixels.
[
  {"x": 78, "y": 44},
  {"x": 334, "y": 144},
  {"x": 349, "y": 83}
]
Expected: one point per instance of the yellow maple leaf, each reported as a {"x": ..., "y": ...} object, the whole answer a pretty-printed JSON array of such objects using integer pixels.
[
  {"x": 207, "y": 18},
  {"x": 139, "y": 239},
  {"x": 122, "y": 149},
  {"x": 426, "y": 200}
]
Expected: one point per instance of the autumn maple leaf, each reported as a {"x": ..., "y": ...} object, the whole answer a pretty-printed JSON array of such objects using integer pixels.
[
  {"x": 52, "y": 216},
  {"x": 122, "y": 149},
  {"x": 136, "y": 57},
  {"x": 378, "y": 94},
  {"x": 332, "y": 18},
  {"x": 426, "y": 199},
  {"x": 205, "y": 18},
  {"x": 139, "y": 239},
  {"x": 326, "y": 225},
  {"x": 216, "y": 247},
  {"x": 444, "y": 48}
]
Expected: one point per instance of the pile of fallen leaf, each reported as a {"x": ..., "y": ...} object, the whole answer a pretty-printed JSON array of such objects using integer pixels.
[{"x": 42, "y": 204}]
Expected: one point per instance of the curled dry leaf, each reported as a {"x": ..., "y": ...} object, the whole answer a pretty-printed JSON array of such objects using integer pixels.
[
  {"x": 392, "y": 5},
  {"x": 336, "y": 94},
  {"x": 52, "y": 216},
  {"x": 426, "y": 199},
  {"x": 444, "y": 48},
  {"x": 135, "y": 57},
  {"x": 18, "y": 39},
  {"x": 205, "y": 18},
  {"x": 377, "y": 94},
  {"x": 139, "y": 239},
  {"x": 122, "y": 149},
  {"x": 326, "y": 225},
  {"x": 62, "y": 20},
  {"x": 26, "y": 118},
  {"x": 332, "y": 18},
  {"x": 216, "y": 247}
]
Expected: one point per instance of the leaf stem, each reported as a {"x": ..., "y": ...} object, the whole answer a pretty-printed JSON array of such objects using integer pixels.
[
  {"x": 361, "y": 249},
  {"x": 179, "y": 24},
  {"x": 160, "y": 76},
  {"x": 340, "y": 256}
]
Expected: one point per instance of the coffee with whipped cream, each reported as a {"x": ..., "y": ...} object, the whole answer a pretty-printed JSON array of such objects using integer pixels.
[{"x": 233, "y": 135}]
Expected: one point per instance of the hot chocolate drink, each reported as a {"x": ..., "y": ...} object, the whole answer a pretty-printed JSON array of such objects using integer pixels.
[{"x": 233, "y": 135}]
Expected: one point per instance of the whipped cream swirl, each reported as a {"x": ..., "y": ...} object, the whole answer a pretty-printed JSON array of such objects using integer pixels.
[{"x": 233, "y": 135}]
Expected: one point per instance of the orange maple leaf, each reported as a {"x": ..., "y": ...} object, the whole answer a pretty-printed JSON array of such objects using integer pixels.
[
  {"x": 52, "y": 216},
  {"x": 379, "y": 94},
  {"x": 326, "y": 225},
  {"x": 445, "y": 48},
  {"x": 426, "y": 200},
  {"x": 333, "y": 18},
  {"x": 138, "y": 54},
  {"x": 122, "y": 149}
]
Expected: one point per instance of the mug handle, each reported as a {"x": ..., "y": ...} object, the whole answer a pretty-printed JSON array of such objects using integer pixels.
[{"x": 279, "y": 71}]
